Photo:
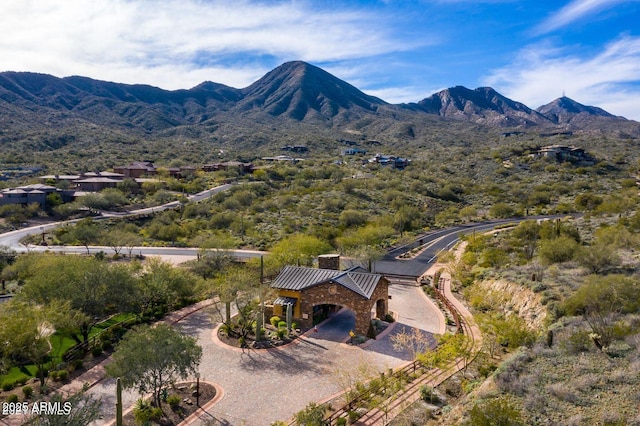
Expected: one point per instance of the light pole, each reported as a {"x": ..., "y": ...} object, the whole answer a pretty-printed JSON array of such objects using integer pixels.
[{"x": 197, "y": 389}]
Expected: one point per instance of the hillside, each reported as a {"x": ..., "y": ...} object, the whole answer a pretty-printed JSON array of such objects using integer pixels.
[{"x": 296, "y": 103}]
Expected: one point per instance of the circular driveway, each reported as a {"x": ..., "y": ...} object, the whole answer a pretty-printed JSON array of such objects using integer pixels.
[{"x": 268, "y": 385}]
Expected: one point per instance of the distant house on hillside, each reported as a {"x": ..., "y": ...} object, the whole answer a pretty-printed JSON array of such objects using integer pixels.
[
  {"x": 28, "y": 194},
  {"x": 390, "y": 160},
  {"x": 137, "y": 169},
  {"x": 562, "y": 153},
  {"x": 353, "y": 151},
  {"x": 229, "y": 165}
]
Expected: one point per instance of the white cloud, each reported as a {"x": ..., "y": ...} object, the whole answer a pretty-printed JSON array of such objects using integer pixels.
[
  {"x": 574, "y": 11},
  {"x": 176, "y": 44},
  {"x": 607, "y": 80}
]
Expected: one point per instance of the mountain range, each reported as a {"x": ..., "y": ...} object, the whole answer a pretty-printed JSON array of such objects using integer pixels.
[{"x": 293, "y": 94}]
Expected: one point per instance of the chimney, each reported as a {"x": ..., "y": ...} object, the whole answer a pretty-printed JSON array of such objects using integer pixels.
[{"x": 329, "y": 261}]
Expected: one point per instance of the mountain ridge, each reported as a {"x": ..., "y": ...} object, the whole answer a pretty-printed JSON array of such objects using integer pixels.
[{"x": 294, "y": 93}]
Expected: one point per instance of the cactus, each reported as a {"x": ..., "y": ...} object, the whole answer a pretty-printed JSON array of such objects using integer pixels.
[
  {"x": 118, "y": 402},
  {"x": 289, "y": 315}
]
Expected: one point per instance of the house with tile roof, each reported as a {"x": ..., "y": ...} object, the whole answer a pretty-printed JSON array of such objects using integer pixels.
[{"x": 315, "y": 292}]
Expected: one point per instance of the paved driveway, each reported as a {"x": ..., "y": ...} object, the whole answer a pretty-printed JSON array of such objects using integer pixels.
[
  {"x": 261, "y": 387},
  {"x": 264, "y": 386}
]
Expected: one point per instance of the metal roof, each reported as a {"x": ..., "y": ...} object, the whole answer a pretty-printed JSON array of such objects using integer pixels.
[
  {"x": 285, "y": 301},
  {"x": 299, "y": 278}
]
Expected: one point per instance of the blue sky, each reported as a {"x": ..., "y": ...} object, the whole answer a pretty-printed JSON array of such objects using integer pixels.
[{"x": 401, "y": 51}]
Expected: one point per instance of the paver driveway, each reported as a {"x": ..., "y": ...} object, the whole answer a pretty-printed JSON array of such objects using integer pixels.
[{"x": 263, "y": 386}]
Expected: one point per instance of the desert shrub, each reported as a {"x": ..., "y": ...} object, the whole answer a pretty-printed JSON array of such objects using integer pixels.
[
  {"x": 428, "y": 394},
  {"x": 13, "y": 398},
  {"x": 63, "y": 375},
  {"x": 274, "y": 320},
  {"x": 22, "y": 379},
  {"x": 96, "y": 351},
  {"x": 557, "y": 250},
  {"x": 311, "y": 415},
  {"x": 7, "y": 385},
  {"x": 563, "y": 392},
  {"x": 173, "y": 401},
  {"x": 576, "y": 342},
  {"x": 107, "y": 345},
  {"x": 27, "y": 391},
  {"x": 497, "y": 411},
  {"x": 142, "y": 411},
  {"x": 156, "y": 414}
]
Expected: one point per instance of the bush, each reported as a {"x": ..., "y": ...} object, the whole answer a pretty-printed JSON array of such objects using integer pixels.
[
  {"x": 107, "y": 345},
  {"x": 7, "y": 385},
  {"x": 13, "y": 398},
  {"x": 96, "y": 351},
  {"x": 156, "y": 414},
  {"x": 22, "y": 379},
  {"x": 27, "y": 391},
  {"x": 498, "y": 411},
  {"x": 294, "y": 325},
  {"x": 76, "y": 364},
  {"x": 428, "y": 394},
  {"x": 282, "y": 324},
  {"x": 174, "y": 401},
  {"x": 341, "y": 421},
  {"x": 142, "y": 411},
  {"x": 63, "y": 375},
  {"x": 274, "y": 320}
]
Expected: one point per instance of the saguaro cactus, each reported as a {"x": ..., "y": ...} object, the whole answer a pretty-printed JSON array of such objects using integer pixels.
[{"x": 118, "y": 402}]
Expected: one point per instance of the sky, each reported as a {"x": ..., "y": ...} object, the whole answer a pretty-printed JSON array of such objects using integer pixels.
[{"x": 532, "y": 51}]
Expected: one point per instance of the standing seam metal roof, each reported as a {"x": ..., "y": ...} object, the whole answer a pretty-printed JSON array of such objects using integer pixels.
[{"x": 300, "y": 278}]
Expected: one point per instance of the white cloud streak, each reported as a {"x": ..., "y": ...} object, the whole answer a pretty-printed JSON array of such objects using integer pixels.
[
  {"x": 608, "y": 80},
  {"x": 574, "y": 11},
  {"x": 177, "y": 44}
]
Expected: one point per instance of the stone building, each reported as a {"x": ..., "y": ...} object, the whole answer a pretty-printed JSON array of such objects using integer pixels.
[{"x": 316, "y": 292}]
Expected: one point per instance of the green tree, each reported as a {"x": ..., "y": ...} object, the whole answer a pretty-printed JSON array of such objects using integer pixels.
[
  {"x": 601, "y": 300},
  {"x": 152, "y": 358},
  {"x": 597, "y": 258},
  {"x": 161, "y": 286},
  {"x": 91, "y": 286},
  {"x": 24, "y": 335},
  {"x": 298, "y": 248},
  {"x": 526, "y": 235},
  {"x": 406, "y": 218},
  {"x": 85, "y": 232}
]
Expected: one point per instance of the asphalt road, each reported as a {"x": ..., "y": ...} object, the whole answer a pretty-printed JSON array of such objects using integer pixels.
[{"x": 434, "y": 243}]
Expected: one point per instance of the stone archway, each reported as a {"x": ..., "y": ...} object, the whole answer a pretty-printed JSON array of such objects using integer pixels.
[{"x": 381, "y": 309}]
